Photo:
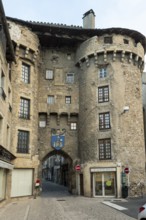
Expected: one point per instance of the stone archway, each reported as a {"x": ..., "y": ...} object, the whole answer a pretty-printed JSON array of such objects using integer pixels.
[{"x": 57, "y": 166}]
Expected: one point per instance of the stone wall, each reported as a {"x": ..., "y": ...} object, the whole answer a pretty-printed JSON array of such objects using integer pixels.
[
  {"x": 26, "y": 52},
  {"x": 124, "y": 65}
]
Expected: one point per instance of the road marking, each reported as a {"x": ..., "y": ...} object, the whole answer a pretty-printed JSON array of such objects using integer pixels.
[
  {"x": 26, "y": 213},
  {"x": 120, "y": 208}
]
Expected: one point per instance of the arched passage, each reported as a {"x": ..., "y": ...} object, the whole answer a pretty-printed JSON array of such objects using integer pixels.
[{"x": 57, "y": 166}]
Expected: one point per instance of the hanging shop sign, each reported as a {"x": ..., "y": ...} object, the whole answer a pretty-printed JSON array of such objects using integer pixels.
[{"x": 57, "y": 138}]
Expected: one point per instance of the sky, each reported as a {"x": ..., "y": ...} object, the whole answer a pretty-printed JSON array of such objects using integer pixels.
[{"x": 129, "y": 14}]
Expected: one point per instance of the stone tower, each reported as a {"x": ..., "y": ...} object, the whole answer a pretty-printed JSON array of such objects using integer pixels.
[
  {"x": 86, "y": 82},
  {"x": 110, "y": 109}
]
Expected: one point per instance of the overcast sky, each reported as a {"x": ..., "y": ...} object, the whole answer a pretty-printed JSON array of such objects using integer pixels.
[{"x": 109, "y": 13}]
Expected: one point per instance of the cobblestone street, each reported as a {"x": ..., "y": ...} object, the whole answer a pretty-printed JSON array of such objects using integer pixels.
[{"x": 60, "y": 205}]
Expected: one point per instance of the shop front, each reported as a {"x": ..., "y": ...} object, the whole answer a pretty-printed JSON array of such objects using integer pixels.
[
  {"x": 104, "y": 182},
  {"x": 5, "y": 168}
]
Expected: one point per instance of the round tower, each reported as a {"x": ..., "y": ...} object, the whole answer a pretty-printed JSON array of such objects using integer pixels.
[{"x": 111, "y": 136}]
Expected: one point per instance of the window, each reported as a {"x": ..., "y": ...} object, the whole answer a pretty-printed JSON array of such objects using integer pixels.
[
  {"x": 50, "y": 99},
  {"x": 1, "y": 127},
  {"x": 70, "y": 78},
  {"x": 9, "y": 67},
  {"x": 23, "y": 142},
  {"x": 42, "y": 120},
  {"x": 108, "y": 40},
  {"x": 25, "y": 73},
  {"x": 104, "y": 120},
  {"x": 68, "y": 99},
  {"x": 49, "y": 74},
  {"x": 103, "y": 94},
  {"x": 126, "y": 41},
  {"x": 104, "y": 149},
  {"x": 24, "y": 108},
  {"x": 103, "y": 72},
  {"x": 2, "y": 85},
  {"x": 10, "y": 107},
  {"x": 73, "y": 126}
]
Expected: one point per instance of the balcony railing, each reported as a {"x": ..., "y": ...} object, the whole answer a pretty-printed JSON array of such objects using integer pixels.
[{"x": 2, "y": 93}]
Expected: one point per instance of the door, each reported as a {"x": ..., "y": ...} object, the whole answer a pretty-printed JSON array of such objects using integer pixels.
[
  {"x": 2, "y": 183},
  {"x": 81, "y": 185},
  {"x": 104, "y": 184},
  {"x": 22, "y": 180}
]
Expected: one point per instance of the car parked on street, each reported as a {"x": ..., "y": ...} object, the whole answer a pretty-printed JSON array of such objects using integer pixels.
[{"x": 142, "y": 213}]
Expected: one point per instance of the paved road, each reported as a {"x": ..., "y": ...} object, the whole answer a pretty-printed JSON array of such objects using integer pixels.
[
  {"x": 132, "y": 205},
  {"x": 56, "y": 203}
]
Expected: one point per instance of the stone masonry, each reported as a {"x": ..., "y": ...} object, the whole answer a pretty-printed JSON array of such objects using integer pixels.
[{"x": 82, "y": 53}]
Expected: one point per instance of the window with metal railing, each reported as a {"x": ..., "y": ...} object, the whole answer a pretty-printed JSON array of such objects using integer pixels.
[
  {"x": 23, "y": 141},
  {"x": 24, "y": 108},
  {"x": 104, "y": 149},
  {"x": 103, "y": 94},
  {"x": 104, "y": 121},
  {"x": 25, "y": 73}
]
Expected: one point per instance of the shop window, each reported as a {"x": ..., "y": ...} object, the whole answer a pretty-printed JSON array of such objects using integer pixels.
[
  {"x": 103, "y": 94},
  {"x": 104, "y": 120},
  {"x": 104, "y": 149},
  {"x": 23, "y": 142},
  {"x": 25, "y": 73},
  {"x": 49, "y": 74},
  {"x": 68, "y": 99},
  {"x": 24, "y": 108}
]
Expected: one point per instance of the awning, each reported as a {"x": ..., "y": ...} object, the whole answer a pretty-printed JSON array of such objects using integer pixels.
[
  {"x": 6, "y": 165},
  {"x": 6, "y": 155}
]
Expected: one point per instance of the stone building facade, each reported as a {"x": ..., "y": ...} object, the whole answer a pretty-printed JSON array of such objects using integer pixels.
[
  {"x": 77, "y": 93},
  {"x": 6, "y": 58}
]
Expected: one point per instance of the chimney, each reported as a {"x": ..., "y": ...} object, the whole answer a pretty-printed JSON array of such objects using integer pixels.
[{"x": 89, "y": 19}]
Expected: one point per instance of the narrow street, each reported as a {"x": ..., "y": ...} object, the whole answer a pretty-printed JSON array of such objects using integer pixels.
[{"x": 55, "y": 203}]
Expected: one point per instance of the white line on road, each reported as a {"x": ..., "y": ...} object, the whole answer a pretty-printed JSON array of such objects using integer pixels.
[
  {"x": 120, "y": 208},
  {"x": 26, "y": 213}
]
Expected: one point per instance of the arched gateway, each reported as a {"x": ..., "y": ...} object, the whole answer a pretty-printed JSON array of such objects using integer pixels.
[{"x": 57, "y": 166}]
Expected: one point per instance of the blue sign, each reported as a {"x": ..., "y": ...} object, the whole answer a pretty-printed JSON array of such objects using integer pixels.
[{"x": 57, "y": 141}]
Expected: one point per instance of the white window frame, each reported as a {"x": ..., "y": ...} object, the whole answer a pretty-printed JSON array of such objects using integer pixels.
[
  {"x": 49, "y": 74},
  {"x": 68, "y": 99},
  {"x": 42, "y": 124},
  {"x": 70, "y": 78},
  {"x": 25, "y": 75},
  {"x": 51, "y": 99},
  {"x": 102, "y": 72},
  {"x": 73, "y": 126}
]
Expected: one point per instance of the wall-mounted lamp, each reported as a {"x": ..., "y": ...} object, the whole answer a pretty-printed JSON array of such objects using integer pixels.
[{"x": 125, "y": 109}]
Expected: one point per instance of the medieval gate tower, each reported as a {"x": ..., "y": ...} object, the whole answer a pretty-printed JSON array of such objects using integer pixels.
[{"x": 86, "y": 83}]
